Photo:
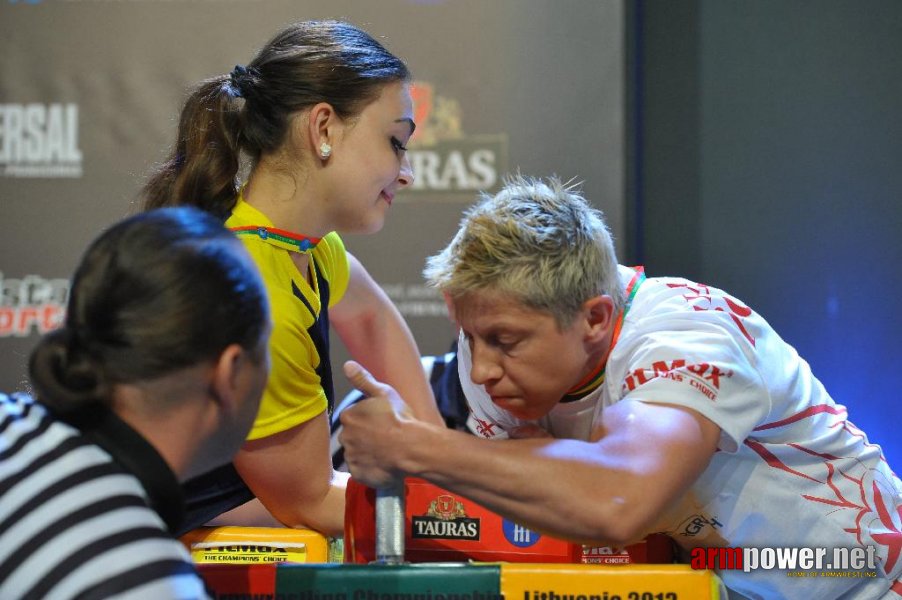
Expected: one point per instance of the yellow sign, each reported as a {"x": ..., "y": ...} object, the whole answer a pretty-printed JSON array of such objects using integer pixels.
[
  {"x": 608, "y": 582},
  {"x": 256, "y": 545}
]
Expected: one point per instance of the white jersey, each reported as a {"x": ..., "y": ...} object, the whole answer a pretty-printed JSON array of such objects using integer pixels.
[{"x": 790, "y": 470}]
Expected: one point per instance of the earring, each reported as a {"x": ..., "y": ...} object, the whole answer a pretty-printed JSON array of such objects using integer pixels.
[{"x": 325, "y": 150}]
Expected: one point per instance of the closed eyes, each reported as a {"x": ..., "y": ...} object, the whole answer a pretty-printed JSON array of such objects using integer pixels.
[{"x": 397, "y": 145}]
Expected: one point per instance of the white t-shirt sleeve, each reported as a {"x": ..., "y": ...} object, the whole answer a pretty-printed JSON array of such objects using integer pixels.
[{"x": 705, "y": 368}]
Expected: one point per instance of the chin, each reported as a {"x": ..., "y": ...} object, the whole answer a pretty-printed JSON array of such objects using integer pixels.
[
  {"x": 531, "y": 416},
  {"x": 371, "y": 228},
  {"x": 534, "y": 411},
  {"x": 363, "y": 226},
  {"x": 523, "y": 413}
]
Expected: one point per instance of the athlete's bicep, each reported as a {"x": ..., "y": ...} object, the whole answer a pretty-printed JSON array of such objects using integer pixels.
[{"x": 664, "y": 448}]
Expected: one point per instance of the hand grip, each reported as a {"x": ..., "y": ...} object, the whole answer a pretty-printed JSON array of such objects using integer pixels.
[{"x": 390, "y": 514}]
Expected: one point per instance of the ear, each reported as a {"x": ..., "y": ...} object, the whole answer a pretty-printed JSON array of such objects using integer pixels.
[
  {"x": 449, "y": 304},
  {"x": 600, "y": 318},
  {"x": 322, "y": 124},
  {"x": 225, "y": 384}
]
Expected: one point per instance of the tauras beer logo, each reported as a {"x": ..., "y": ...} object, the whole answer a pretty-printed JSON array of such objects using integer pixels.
[
  {"x": 443, "y": 158},
  {"x": 445, "y": 519},
  {"x": 39, "y": 140},
  {"x": 31, "y": 303}
]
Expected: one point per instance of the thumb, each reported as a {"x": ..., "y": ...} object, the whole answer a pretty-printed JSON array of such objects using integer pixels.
[{"x": 361, "y": 379}]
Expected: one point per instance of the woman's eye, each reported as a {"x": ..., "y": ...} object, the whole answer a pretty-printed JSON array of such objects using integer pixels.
[{"x": 397, "y": 145}]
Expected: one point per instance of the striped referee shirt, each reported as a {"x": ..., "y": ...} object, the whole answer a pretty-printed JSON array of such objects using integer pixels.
[{"x": 75, "y": 522}]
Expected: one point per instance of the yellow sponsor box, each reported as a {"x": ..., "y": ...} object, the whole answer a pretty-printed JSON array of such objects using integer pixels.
[
  {"x": 256, "y": 545},
  {"x": 608, "y": 582}
]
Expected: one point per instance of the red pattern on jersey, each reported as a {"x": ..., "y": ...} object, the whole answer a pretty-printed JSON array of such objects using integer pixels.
[
  {"x": 810, "y": 411},
  {"x": 484, "y": 428},
  {"x": 700, "y": 298},
  {"x": 892, "y": 539},
  {"x": 897, "y": 587}
]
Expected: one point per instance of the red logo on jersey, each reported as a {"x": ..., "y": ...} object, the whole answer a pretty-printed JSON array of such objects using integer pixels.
[
  {"x": 704, "y": 377},
  {"x": 484, "y": 428},
  {"x": 700, "y": 298}
]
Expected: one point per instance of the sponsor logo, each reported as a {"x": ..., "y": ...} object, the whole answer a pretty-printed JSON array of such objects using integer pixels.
[
  {"x": 39, "y": 141},
  {"x": 704, "y": 377},
  {"x": 443, "y": 158},
  {"x": 605, "y": 555},
  {"x": 31, "y": 304},
  {"x": 445, "y": 519},
  {"x": 801, "y": 562},
  {"x": 518, "y": 535},
  {"x": 250, "y": 549},
  {"x": 247, "y": 553}
]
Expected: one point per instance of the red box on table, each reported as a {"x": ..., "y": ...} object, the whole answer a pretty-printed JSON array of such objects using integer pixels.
[{"x": 441, "y": 526}]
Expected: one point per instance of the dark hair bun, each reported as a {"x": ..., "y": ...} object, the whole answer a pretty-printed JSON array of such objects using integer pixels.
[{"x": 65, "y": 375}]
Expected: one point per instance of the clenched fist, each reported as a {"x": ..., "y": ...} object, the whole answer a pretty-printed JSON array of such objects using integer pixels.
[{"x": 374, "y": 431}]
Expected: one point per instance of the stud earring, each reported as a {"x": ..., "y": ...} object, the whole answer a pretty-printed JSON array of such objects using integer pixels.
[{"x": 325, "y": 150}]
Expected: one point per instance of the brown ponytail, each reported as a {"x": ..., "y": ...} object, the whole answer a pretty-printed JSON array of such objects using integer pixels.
[{"x": 201, "y": 171}]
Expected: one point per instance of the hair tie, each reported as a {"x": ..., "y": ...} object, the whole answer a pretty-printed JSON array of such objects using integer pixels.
[{"x": 240, "y": 78}]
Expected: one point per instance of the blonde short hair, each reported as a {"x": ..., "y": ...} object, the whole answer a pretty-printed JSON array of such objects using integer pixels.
[{"x": 537, "y": 241}]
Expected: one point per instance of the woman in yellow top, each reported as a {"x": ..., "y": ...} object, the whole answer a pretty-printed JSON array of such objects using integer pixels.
[{"x": 323, "y": 114}]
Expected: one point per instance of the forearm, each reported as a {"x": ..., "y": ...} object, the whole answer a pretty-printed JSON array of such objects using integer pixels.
[
  {"x": 325, "y": 514},
  {"x": 291, "y": 473},
  {"x": 560, "y": 487},
  {"x": 384, "y": 345},
  {"x": 639, "y": 461},
  {"x": 250, "y": 514},
  {"x": 377, "y": 337}
]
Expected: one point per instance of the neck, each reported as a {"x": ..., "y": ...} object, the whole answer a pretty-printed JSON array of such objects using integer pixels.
[
  {"x": 595, "y": 369},
  {"x": 594, "y": 372},
  {"x": 290, "y": 200},
  {"x": 593, "y": 375},
  {"x": 175, "y": 428}
]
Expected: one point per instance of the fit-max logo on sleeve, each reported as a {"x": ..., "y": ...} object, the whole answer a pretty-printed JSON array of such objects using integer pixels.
[{"x": 703, "y": 377}]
